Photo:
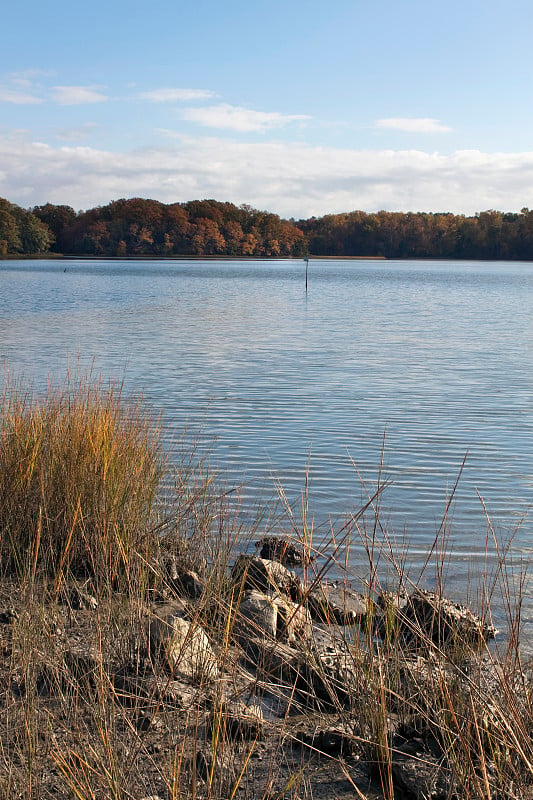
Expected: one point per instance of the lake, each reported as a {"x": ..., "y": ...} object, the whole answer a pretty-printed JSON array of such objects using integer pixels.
[{"x": 430, "y": 362}]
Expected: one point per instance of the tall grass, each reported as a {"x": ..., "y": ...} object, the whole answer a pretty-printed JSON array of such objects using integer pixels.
[{"x": 79, "y": 472}]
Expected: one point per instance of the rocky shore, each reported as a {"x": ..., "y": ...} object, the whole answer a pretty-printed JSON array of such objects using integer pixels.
[{"x": 271, "y": 683}]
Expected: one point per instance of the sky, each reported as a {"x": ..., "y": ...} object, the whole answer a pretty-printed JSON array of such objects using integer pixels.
[{"x": 301, "y": 108}]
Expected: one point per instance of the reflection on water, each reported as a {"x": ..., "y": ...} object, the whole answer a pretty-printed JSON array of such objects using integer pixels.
[{"x": 436, "y": 354}]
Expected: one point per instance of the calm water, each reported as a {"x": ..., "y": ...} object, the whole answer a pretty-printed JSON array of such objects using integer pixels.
[{"x": 436, "y": 356}]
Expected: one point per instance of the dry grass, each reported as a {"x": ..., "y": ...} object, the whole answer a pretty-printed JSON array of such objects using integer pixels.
[
  {"x": 88, "y": 711},
  {"x": 79, "y": 473}
]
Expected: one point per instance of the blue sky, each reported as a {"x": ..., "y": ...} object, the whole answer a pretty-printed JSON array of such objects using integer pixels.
[{"x": 297, "y": 107}]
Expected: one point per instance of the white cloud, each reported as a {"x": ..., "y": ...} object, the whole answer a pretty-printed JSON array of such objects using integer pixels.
[
  {"x": 175, "y": 95},
  {"x": 235, "y": 118},
  {"x": 18, "y": 97},
  {"x": 77, "y": 95},
  {"x": 413, "y": 125},
  {"x": 23, "y": 88},
  {"x": 291, "y": 179}
]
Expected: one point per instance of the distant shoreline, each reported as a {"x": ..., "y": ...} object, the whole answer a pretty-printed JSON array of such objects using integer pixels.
[
  {"x": 211, "y": 257},
  {"x": 312, "y": 258}
]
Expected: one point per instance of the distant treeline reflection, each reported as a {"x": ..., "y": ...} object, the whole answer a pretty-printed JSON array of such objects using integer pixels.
[{"x": 139, "y": 227}]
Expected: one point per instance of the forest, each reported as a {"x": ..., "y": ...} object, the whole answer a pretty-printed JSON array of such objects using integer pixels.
[{"x": 148, "y": 228}]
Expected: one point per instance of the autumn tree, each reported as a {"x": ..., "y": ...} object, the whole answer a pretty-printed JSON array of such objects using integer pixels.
[{"x": 59, "y": 219}]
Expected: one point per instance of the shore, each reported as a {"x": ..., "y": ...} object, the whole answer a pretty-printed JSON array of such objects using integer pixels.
[
  {"x": 250, "y": 679},
  {"x": 210, "y": 257},
  {"x": 159, "y": 650}
]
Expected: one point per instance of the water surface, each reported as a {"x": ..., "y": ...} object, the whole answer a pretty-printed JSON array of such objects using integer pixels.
[{"x": 435, "y": 357}]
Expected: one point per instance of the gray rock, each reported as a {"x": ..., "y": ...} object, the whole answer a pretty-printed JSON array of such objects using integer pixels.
[
  {"x": 181, "y": 579},
  {"x": 420, "y": 773},
  {"x": 284, "y": 550},
  {"x": 278, "y": 664},
  {"x": 189, "y": 582},
  {"x": 258, "y": 616},
  {"x": 273, "y": 616},
  {"x": 428, "y": 618},
  {"x": 234, "y": 719},
  {"x": 337, "y": 603},
  {"x": 251, "y": 572},
  {"x": 336, "y": 739}
]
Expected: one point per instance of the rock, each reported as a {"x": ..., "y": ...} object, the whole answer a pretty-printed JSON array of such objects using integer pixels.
[
  {"x": 294, "y": 621},
  {"x": 272, "y": 616},
  {"x": 420, "y": 773},
  {"x": 184, "y": 644},
  {"x": 278, "y": 664},
  {"x": 257, "y": 616},
  {"x": 251, "y": 572},
  {"x": 429, "y": 618},
  {"x": 130, "y": 688},
  {"x": 337, "y": 603},
  {"x": 236, "y": 720},
  {"x": 189, "y": 582},
  {"x": 336, "y": 739},
  {"x": 284, "y": 550}
]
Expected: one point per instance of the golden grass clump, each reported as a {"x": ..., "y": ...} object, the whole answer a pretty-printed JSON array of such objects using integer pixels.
[{"x": 79, "y": 472}]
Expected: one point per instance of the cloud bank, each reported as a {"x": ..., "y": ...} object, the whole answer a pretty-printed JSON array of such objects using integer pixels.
[{"x": 291, "y": 179}]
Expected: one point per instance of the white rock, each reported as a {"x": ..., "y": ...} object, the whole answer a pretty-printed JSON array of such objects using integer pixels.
[
  {"x": 184, "y": 644},
  {"x": 272, "y": 616},
  {"x": 258, "y": 616}
]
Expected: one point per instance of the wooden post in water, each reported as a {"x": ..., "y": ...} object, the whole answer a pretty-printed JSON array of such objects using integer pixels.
[{"x": 306, "y": 268}]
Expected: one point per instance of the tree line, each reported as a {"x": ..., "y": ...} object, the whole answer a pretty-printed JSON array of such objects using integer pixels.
[
  {"x": 487, "y": 235},
  {"x": 139, "y": 227}
]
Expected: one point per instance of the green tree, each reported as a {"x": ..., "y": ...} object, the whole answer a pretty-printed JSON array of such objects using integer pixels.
[
  {"x": 21, "y": 231},
  {"x": 9, "y": 234}
]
